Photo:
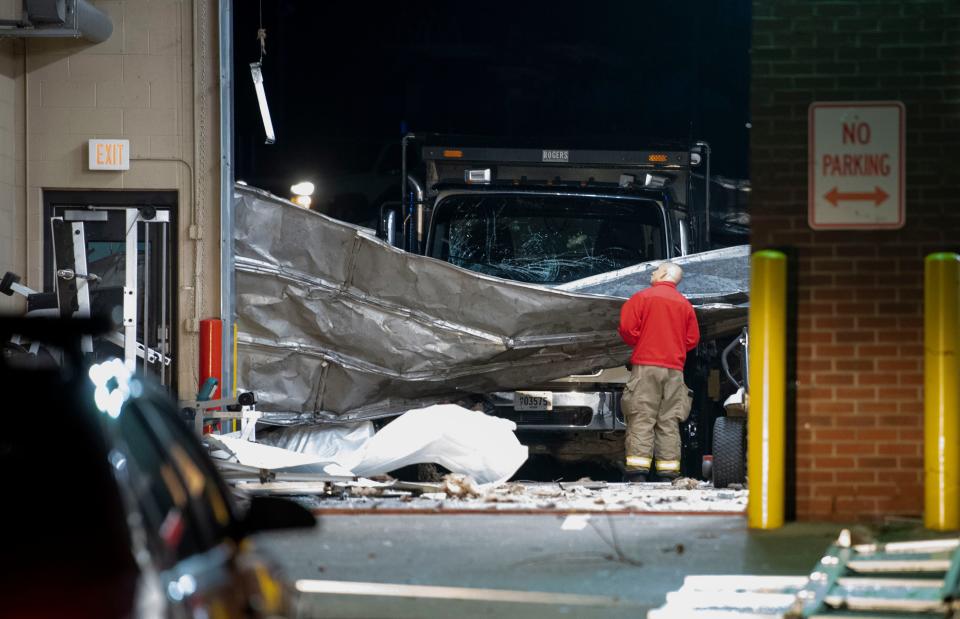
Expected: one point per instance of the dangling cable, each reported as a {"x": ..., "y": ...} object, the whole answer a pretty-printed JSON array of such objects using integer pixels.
[{"x": 262, "y": 35}]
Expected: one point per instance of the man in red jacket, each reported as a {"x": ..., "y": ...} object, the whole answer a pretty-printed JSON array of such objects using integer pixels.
[{"x": 661, "y": 326}]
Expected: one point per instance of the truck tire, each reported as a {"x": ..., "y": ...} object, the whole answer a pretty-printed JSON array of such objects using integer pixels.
[{"x": 729, "y": 453}]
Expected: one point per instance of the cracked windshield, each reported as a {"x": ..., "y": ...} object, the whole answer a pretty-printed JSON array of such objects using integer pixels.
[{"x": 546, "y": 239}]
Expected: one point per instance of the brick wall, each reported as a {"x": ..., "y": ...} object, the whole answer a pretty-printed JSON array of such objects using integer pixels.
[{"x": 859, "y": 378}]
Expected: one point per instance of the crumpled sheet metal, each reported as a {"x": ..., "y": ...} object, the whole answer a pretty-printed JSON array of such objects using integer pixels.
[
  {"x": 718, "y": 276},
  {"x": 336, "y": 322},
  {"x": 716, "y": 282}
]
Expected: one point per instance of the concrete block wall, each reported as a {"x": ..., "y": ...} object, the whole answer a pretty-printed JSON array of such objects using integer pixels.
[
  {"x": 11, "y": 185},
  {"x": 145, "y": 84},
  {"x": 859, "y": 383}
]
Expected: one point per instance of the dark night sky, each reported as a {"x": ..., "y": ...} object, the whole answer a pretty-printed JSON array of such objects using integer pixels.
[{"x": 343, "y": 77}]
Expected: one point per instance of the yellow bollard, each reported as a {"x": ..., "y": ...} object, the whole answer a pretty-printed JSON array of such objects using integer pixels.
[
  {"x": 236, "y": 422},
  {"x": 235, "y": 371},
  {"x": 941, "y": 401},
  {"x": 766, "y": 422}
]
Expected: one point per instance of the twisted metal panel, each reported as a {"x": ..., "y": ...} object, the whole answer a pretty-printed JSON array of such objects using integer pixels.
[{"x": 335, "y": 322}]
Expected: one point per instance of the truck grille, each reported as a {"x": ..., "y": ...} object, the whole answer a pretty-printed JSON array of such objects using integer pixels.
[{"x": 559, "y": 416}]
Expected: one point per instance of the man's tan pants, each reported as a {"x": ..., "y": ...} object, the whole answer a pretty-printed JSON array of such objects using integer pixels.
[{"x": 655, "y": 401}]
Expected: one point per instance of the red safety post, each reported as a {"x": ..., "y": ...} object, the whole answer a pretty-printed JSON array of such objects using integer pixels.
[{"x": 211, "y": 353}]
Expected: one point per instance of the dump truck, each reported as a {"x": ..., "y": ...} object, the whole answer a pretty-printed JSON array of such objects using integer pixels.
[{"x": 553, "y": 216}]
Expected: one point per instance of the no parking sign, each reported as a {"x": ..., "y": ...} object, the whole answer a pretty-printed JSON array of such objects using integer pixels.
[{"x": 856, "y": 165}]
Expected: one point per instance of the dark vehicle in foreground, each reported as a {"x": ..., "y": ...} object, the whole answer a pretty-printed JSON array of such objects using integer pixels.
[
  {"x": 551, "y": 216},
  {"x": 112, "y": 508}
]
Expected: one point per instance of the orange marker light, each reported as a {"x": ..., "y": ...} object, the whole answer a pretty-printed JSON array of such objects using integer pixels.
[
  {"x": 657, "y": 158},
  {"x": 453, "y": 154}
]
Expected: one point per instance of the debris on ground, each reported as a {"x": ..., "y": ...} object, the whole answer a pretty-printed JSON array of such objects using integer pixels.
[
  {"x": 460, "y": 486},
  {"x": 463, "y": 493},
  {"x": 583, "y": 482},
  {"x": 366, "y": 491},
  {"x": 257, "y": 472},
  {"x": 687, "y": 483}
]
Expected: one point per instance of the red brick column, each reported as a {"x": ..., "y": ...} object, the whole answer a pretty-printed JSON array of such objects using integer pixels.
[{"x": 859, "y": 379}]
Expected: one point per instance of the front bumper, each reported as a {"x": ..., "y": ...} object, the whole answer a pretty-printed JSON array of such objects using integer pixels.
[{"x": 572, "y": 411}]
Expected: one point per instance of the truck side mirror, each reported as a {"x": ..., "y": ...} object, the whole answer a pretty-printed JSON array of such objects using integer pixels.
[{"x": 390, "y": 226}]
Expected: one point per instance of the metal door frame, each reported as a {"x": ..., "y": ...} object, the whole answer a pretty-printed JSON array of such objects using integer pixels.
[{"x": 165, "y": 204}]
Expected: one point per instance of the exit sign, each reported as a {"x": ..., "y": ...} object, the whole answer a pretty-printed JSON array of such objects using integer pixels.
[{"x": 109, "y": 154}]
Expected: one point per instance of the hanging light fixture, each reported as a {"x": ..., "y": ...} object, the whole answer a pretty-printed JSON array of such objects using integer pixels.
[{"x": 257, "y": 73}]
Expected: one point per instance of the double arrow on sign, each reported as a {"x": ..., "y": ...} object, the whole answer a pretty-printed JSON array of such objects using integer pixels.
[{"x": 878, "y": 196}]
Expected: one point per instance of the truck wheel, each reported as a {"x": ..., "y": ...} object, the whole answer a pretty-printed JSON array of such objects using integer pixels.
[{"x": 729, "y": 454}]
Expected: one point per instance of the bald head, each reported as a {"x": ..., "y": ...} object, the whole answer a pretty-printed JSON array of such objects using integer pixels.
[{"x": 667, "y": 272}]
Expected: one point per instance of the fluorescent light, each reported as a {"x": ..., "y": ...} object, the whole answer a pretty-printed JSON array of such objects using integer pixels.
[
  {"x": 303, "y": 188},
  {"x": 257, "y": 75}
]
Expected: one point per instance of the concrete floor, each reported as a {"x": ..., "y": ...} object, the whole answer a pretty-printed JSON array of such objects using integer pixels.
[{"x": 627, "y": 563}]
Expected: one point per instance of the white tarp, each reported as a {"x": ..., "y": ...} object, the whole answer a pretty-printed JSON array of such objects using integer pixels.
[
  {"x": 330, "y": 442},
  {"x": 261, "y": 456},
  {"x": 464, "y": 441}
]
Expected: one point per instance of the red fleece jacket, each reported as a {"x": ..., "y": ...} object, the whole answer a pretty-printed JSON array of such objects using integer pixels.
[{"x": 661, "y": 326}]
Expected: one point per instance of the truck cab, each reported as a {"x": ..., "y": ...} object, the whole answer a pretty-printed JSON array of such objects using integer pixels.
[{"x": 549, "y": 216}]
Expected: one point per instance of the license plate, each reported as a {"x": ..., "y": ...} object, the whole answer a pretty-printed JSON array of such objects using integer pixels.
[{"x": 533, "y": 401}]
